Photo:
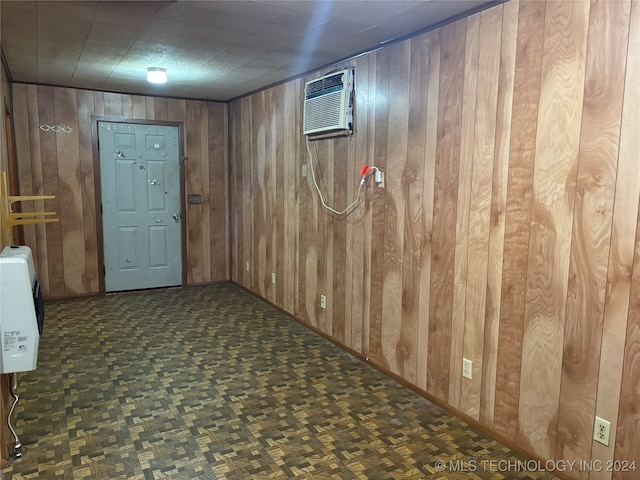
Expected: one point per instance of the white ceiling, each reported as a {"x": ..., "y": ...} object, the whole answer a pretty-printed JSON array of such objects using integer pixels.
[{"x": 212, "y": 49}]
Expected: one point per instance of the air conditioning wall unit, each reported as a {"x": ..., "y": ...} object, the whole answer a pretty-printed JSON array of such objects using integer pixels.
[{"x": 328, "y": 103}]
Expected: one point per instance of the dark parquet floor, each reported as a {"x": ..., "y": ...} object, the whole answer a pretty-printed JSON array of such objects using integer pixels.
[{"x": 212, "y": 383}]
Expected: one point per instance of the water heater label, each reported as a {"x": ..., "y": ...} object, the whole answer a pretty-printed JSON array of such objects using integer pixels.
[{"x": 10, "y": 340}]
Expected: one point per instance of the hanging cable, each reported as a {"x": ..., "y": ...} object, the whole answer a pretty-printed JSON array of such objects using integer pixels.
[
  {"x": 366, "y": 173},
  {"x": 13, "y": 383}
]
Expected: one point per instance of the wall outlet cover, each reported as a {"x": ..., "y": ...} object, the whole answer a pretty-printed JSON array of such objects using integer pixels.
[
  {"x": 601, "y": 431},
  {"x": 467, "y": 368},
  {"x": 194, "y": 199}
]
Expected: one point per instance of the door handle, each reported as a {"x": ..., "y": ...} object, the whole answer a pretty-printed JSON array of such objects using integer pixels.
[{"x": 177, "y": 217}]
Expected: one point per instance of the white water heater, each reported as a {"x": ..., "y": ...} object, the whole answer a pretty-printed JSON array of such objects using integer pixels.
[{"x": 21, "y": 310}]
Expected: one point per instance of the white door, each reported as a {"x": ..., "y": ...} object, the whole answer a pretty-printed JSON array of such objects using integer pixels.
[{"x": 140, "y": 179}]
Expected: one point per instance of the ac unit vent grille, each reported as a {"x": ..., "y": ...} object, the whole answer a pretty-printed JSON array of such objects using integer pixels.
[
  {"x": 322, "y": 111},
  {"x": 325, "y": 85},
  {"x": 328, "y": 103}
]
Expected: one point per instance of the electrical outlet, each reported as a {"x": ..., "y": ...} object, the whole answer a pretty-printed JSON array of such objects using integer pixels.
[
  {"x": 467, "y": 368},
  {"x": 323, "y": 302},
  {"x": 304, "y": 169},
  {"x": 601, "y": 431},
  {"x": 246, "y": 266},
  {"x": 379, "y": 178},
  {"x": 273, "y": 278}
]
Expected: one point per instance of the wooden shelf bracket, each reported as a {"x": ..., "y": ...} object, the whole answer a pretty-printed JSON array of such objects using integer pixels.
[{"x": 11, "y": 219}]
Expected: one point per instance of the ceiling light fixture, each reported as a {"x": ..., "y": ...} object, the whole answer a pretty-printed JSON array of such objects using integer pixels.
[{"x": 156, "y": 75}]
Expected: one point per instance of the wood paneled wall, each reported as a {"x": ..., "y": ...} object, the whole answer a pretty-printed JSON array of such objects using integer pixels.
[
  {"x": 506, "y": 232},
  {"x": 62, "y": 164}
]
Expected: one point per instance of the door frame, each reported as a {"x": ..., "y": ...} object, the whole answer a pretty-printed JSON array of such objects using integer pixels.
[{"x": 97, "y": 185}]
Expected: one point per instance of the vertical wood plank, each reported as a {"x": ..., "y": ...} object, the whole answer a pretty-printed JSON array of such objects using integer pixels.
[
  {"x": 351, "y": 261},
  {"x": 70, "y": 191},
  {"x": 247, "y": 217},
  {"x": 324, "y": 174},
  {"x": 290, "y": 168},
  {"x": 138, "y": 107},
  {"x": 20, "y": 130},
  {"x": 307, "y": 281},
  {"x": 365, "y": 125},
  {"x": 396, "y": 350},
  {"x": 281, "y": 250},
  {"x": 41, "y": 257},
  {"x": 150, "y": 108},
  {"x": 218, "y": 193},
  {"x": 413, "y": 191},
  {"x": 263, "y": 157},
  {"x": 193, "y": 169},
  {"x": 205, "y": 167},
  {"x": 177, "y": 110},
  {"x": 463, "y": 209},
  {"x": 261, "y": 276},
  {"x": 480, "y": 215},
  {"x": 557, "y": 143},
  {"x": 85, "y": 108},
  {"x": 431, "y": 132},
  {"x": 526, "y": 95},
  {"x": 601, "y": 118},
  {"x": 113, "y": 106},
  {"x": 445, "y": 207},
  {"x": 302, "y": 206},
  {"x": 161, "y": 108},
  {"x": 300, "y": 153},
  {"x": 355, "y": 232},
  {"x": 269, "y": 193},
  {"x": 379, "y": 140},
  {"x": 299, "y": 156},
  {"x": 312, "y": 248},
  {"x": 50, "y": 183},
  {"x": 235, "y": 200},
  {"x": 237, "y": 191},
  {"x": 98, "y": 103},
  {"x": 127, "y": 106},
  {"x": 369, "y": 152},
  {"x": 25, "y": 173},
  {"x": 339, "y": 243},
  {"x": 498, "y": 211}
]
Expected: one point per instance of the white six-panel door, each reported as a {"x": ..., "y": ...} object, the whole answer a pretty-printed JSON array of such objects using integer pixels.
[{"x": 140, "y": 180}]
